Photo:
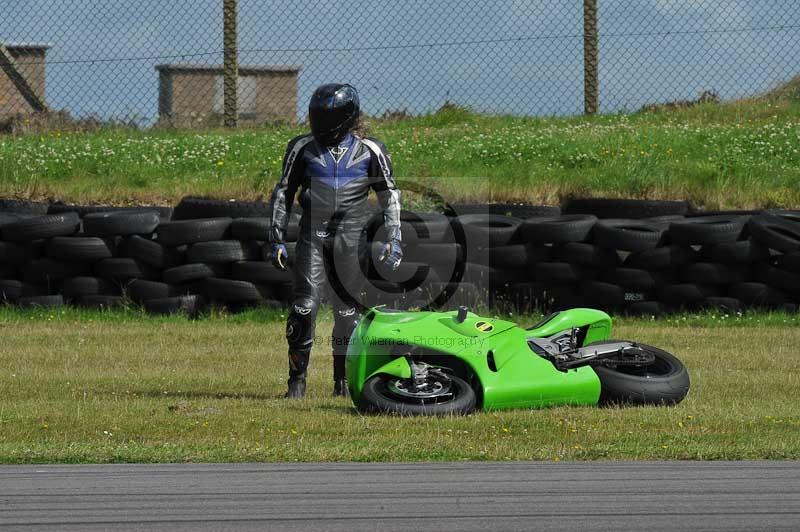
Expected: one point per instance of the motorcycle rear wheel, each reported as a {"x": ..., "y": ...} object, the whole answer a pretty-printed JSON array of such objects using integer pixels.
[
  {"x": 663, "y": 382},
  {"x": 448, "y": 395}
]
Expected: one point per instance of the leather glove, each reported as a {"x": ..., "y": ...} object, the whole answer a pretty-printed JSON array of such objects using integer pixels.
[
  {"x": 276, "y": 254},
  {"x": 392, "y": 254}
]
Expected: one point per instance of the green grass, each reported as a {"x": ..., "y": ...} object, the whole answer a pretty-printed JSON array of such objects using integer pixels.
[
  {"x": 737, "y": 155},
  {"x": 79, "y": 386}
]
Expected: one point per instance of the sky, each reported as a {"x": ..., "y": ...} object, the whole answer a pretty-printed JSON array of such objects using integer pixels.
[{"x": 503, "y": 56}]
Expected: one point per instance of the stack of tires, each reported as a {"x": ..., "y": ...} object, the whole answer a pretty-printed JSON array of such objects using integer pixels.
[
  {"x": 50, "y": 259},
  {"x": 212, "y": 253},
  {"x": 637, "y": 257},
  {"x": 102, "y": 256},
  {"x": 431, "y": 257},
  {"x": 499, "y": 259}
]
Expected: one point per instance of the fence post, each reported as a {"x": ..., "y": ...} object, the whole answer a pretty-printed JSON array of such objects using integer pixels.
[
  {"x": 591, "y": 77},
  {"x": 231, "y": 66}
]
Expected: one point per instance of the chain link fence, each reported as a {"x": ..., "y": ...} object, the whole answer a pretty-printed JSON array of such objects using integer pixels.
[{"x": 150, "y": 62}]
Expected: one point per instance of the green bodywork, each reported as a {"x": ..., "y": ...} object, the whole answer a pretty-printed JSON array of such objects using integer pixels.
[{"x": 504, "y": 369}]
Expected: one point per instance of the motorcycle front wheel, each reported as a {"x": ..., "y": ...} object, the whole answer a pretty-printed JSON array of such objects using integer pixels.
[
  {"x": 664, "y": 381},
  {"x": 440, "y": 394}
]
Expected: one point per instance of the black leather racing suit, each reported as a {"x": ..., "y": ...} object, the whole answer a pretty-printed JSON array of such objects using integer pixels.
[{"x": 335, "y": 184}]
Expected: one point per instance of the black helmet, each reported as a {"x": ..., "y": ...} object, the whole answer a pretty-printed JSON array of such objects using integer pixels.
[{"x": 333, "y": 111}]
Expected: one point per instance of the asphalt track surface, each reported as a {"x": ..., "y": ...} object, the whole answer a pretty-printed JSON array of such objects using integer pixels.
[{"x": 466, "y": 496}]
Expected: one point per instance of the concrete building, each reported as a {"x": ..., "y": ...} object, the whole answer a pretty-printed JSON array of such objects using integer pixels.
[
  {"x": 22, "y": 78},
  {"x": 192, "y": 95}
]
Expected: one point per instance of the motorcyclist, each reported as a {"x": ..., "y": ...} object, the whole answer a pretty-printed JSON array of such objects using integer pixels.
[{"x": 335, "y": 170}]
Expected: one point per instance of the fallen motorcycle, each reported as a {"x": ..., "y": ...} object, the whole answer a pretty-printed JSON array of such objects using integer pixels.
[{"x": 435, "y": 363}]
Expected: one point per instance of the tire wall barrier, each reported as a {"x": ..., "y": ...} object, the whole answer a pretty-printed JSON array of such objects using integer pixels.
[{"x": 638, "y": 257}]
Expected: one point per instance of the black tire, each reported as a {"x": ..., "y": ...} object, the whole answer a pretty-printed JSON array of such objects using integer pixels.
[
  {"x": 442, "y": 254},
  {"x": 140, "y": 290},
  {"x": 229, "y": 290},
  {"x": 258, "y": 228},
  {"x": 625, "y": 208},
  {"x": 715, "y": 273},
  {"x": 151, "y": 252},
  {"x": 634, "y": 279},
  {"x": 786, "y": 281},
  {"x": 511, "y": 257},
  {"x": 732, "y": 212},
  {"x": 603, "y": 295},
  {"x": 222, "y": 251},
  {"x": 665, "y": 382},
  {"x": 789, "y": 262},
  {"x": 7, "y": 271},
  {"x": 22, "y": 206},
  {"x": 558, "y": 272},
  {"x": 378, "y": 397},
  {"x": 557, "y": 230},
  {"x": 188, "y": 273},
  {"x": 80, "y": 249},
  {"x": 77, "y": 287},
  {"x": 101, "y": 301},
  {"x": 35, "y": 249},
  {"x": 194, "y": 288},
  {"x": 722, "y": 304},
  {"x": 627, "y": 235},
  {"x": 259, "y": 272},
  {"x": 7, "y": 218},
  {"x": 558, "y": 296},
  {"x": 124, "y": 269},
  {"x": 707, "y": 230},
  {"x": 515, "y": 210},
  {"x": 480, "y": 275},
  {"x": 758, "y": 295},
  {"x": 661, "y": 258},
  {"x": 164, "y": 213},
  {"x": 41, "y": 301},
  {"x": 663, "y": 222},
  {"x": 789, "y": 215},
  {"x": 686, "y": 295},
  {"x": 47, "y": 271},
  {"x": 15, "y": 254},
  {"x": 588, "y": 255},
  {"x": 12, "y": 289},
  {"x": 429, "y": 228},
  {"x": 776, "y": 232},
  {"x": 740, "y": 252},
  {"x": 189, "y": 305},
  {"x": 173, "y": 234},
  {"x": 48, "y": 226},
  {"x": 488, "y": 230},
  {"x": 251, "y": 228},
  {"x": 121, "y": 223},
  {"x": 194, "y": 208}
]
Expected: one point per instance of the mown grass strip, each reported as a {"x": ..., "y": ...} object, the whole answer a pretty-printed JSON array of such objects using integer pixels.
[{"x": 81, "y": 386}]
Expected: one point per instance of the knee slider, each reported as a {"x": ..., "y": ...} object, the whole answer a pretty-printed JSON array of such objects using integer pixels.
[{"x": 300, "y": 326}]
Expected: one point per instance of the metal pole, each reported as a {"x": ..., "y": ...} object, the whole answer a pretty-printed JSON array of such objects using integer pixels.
[
  {"x": 231, "y": 67},
  {"x": 591, "y": 77}
]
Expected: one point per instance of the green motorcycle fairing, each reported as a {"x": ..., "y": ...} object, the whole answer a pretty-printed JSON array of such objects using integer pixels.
[{"x": 506, "y": 370}]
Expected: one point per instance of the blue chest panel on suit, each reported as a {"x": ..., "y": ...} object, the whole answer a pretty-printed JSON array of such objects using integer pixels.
[{"x": 337, "y": 166}]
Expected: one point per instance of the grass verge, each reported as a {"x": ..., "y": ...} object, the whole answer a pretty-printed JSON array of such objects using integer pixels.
[
  {"x": 737, "y": 155},
  {"x": 80, "y": 386}
]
